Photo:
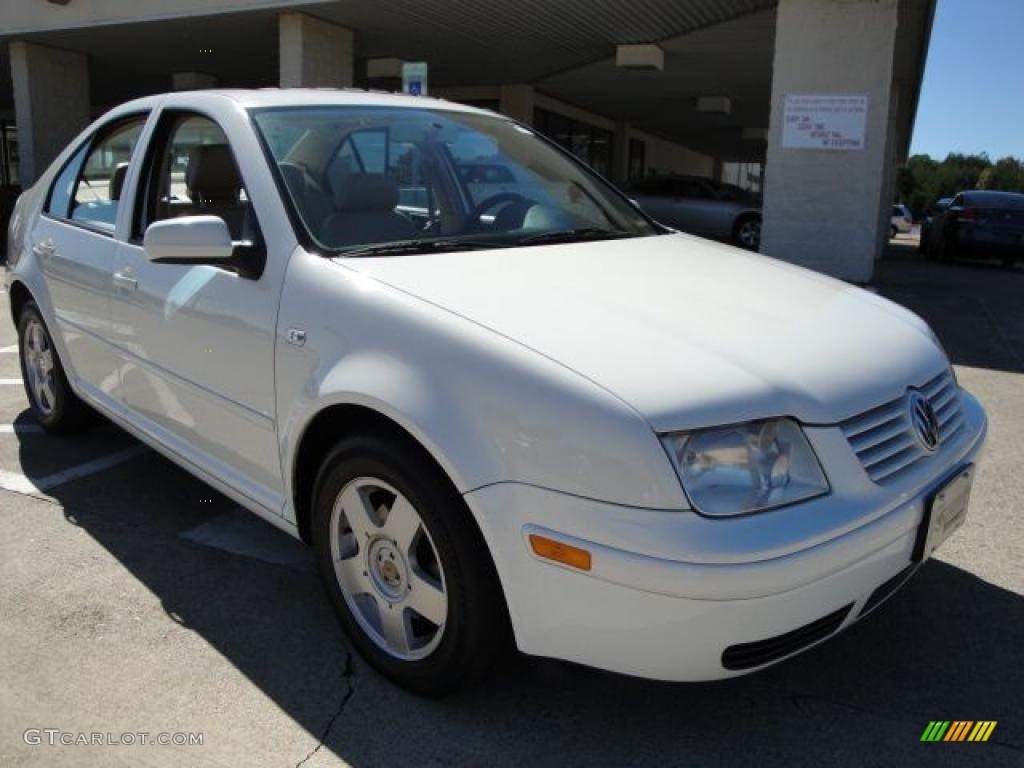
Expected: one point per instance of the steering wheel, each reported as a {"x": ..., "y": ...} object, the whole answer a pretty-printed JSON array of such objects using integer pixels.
[{"x": 513, "y": 199}]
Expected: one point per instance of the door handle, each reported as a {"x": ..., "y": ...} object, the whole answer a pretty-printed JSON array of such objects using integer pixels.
[
  {"x": 45, "y": 248},
  {"x": 125, "y": 279}
]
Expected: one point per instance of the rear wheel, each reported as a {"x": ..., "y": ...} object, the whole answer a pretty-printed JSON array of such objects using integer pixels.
[
  {"x": 406, "y": 570},
  {"x": 747, "y": 232},
  {"x": 57, "y": 408}
]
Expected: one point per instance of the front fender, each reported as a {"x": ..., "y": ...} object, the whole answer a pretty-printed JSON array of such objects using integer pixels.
[{"x": 486, "y": 408}]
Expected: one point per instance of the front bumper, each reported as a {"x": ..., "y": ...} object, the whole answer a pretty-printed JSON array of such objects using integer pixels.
[{"x": 670, "y": 592}]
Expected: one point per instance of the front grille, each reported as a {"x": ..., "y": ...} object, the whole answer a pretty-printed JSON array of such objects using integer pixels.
[
  {"x": 883, "y": 439},
  {"x": 750, "y": 655}
]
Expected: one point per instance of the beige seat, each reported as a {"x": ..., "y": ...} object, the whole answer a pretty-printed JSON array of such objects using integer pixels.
[
  {"x": 214, "y": 184},
  {"x": 365, "y": 213}
]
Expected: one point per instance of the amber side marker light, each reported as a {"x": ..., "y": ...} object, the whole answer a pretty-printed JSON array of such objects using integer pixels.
[{"x": 550, "y": 549}]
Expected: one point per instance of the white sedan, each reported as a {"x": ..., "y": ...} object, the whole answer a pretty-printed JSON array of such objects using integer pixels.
[{"x": 533, "y": 417}]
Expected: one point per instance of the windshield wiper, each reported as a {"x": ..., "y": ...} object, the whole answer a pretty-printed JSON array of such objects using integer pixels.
[
  {"x": 574, "y": 235},
  {"x": 399, "y": 247}
]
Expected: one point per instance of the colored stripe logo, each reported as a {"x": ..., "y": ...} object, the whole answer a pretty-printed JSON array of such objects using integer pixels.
[{"x": 958, "y": 730}]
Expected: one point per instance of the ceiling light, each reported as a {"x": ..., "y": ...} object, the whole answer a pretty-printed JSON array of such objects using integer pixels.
[
  {"x": 646, "y": 56},
  {"x": 718, "y": 104}
]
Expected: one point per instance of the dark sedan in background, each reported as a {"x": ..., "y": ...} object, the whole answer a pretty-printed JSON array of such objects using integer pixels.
[{"x": 978, "y": 224}]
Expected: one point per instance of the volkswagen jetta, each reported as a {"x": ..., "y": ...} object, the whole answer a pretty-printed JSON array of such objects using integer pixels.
[{"x": 531, "y": 415}]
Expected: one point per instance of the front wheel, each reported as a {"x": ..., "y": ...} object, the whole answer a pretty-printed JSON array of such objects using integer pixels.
[
  {"x": 405, "y": 567},
  {"x": 55, "y": 405}
]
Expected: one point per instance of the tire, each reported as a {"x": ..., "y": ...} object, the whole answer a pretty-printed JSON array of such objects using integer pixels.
[
  {"x": 747, "y": 232},
  {"x": 414, "y": 589},
  {"x": 949, "y": 251},
  {"x": 893, "y": 232},
  {"x": 57, "y": 408}
]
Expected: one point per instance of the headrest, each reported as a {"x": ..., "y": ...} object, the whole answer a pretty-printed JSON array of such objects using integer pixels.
[
  {"x": 366, "y": 192},
  {"x": 117, "y": 180},
  {"x": 212, "y": 174}
]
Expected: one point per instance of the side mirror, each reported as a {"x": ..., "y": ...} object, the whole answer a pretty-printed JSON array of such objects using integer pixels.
[{"x": 189, "y": 240}]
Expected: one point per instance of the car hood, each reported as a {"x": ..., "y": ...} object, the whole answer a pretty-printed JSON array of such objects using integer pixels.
[{"x": 688, "y": 332}]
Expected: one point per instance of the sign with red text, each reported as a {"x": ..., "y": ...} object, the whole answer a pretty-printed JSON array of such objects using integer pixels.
[{"x": 815, "y": 121}]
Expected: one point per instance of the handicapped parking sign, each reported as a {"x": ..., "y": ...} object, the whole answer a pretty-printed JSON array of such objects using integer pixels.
[{"x": 414, "y": 78}]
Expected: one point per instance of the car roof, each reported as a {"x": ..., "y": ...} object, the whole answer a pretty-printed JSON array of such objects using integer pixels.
[
  {"x": 994, "y": 197},
  {"x": 308, "y": 97},
  {"x": 993, "y": 193}
]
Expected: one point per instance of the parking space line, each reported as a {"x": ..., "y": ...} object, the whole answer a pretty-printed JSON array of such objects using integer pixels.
[
  {"x": 10, "y": 429},
  {"x": 19, "y": 483},
  {"x": 5, "y": 350},
  {"x": 11, "y": 382}
]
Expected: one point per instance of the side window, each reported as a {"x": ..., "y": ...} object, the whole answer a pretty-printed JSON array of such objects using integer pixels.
[
  {"x": 97, "y": 194},
  {"x": 64, "y": 187},
  {"x": 192, "y": 172}
]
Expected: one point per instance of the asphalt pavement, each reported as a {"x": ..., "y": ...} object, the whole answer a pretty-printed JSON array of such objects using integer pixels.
[{"x": 135, "y": 599}]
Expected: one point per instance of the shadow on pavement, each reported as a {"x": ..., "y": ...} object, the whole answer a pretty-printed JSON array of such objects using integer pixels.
[{"x": 948, "y": 646}]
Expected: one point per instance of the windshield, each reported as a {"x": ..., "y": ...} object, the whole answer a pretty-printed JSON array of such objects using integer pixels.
[{"x": 360, "y": 177}]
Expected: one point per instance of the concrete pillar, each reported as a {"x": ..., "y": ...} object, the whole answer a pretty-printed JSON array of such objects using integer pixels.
[
  {"x": 314, "y": 53},
  {"x": 620, "y": 153},
  {"x": 51, "y": 103},
  {"x": 823, "y": 207},
  {"x": 517, "y": 102},
  {"x": 193, "y": 81}
]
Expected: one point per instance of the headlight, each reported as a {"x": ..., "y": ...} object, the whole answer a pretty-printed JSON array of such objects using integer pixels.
[{"x": 747, "y": 467}]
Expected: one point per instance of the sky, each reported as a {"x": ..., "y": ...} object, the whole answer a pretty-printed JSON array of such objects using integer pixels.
[{"x": 972, "y": 98}]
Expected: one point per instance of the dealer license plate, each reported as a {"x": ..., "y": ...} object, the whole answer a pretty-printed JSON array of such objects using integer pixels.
[{"x": 945, "y": 511}]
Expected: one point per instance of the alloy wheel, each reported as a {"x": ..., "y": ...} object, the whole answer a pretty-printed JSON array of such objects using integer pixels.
[
  {"x": 39, "y": 366},
  {"x": 388, "y": 569}
]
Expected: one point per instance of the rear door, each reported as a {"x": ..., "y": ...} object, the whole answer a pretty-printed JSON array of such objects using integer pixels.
[{"x": 74, "y": 241}]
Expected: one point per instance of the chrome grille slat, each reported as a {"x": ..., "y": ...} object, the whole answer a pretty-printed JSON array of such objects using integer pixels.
[
  {"x": 947, "y": 411},
  {"x": 882, "y": 436},
  {"x": 871, "y": 420},
  {"x": 952, "y": 427},
  {"x": 936, "y": 385},
  {"x": 885, "y": 473},
  {"x": 865, "y": 442},
  {"x": 886, "y": 450}
]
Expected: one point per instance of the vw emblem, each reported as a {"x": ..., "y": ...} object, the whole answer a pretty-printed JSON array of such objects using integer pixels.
[{"x": 924, "y": 421}]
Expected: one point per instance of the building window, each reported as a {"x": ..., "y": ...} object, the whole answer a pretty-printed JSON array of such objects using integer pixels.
[
  {"x": 589, "y": 143},
  {"x": 8, "y": 155}
]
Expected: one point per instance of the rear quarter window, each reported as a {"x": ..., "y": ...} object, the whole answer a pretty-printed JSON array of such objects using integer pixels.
[{"x": 63, "y": 189}]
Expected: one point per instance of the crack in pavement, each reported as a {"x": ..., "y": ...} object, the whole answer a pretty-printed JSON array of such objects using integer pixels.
[{"x": 347, "y": 676}]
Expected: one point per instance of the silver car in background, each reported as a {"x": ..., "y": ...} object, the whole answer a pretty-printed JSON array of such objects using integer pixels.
[
  {"x": 902, "y": 220},
  {"x": 702, "y": 207}
]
